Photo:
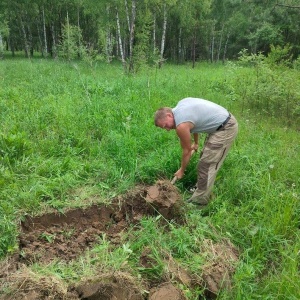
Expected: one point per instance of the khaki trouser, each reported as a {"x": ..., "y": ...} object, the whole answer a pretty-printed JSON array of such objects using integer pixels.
[{"x": 215, "y": 149}]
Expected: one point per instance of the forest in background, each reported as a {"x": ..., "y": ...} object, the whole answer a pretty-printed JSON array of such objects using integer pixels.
[{"x": 143, "y": 31}]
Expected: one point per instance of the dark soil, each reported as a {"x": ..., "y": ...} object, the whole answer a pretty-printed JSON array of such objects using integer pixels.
[{"x": 66, "y": 236}]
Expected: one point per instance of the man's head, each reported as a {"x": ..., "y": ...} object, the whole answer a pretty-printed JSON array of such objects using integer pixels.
[{"x": 164, "y": 118}]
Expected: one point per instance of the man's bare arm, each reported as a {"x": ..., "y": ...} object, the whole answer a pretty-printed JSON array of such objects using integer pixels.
[
  {"x": 196, "y": 141},
  {"x": 183, "y": 132}
]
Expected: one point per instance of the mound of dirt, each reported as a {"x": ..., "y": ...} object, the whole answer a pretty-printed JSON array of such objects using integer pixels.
[
  {"x": 166, "y": 291},
  {"x": 110, "y": 287},
  {"x": 221, "y": 261},
  {"x": 25, "y": 284},
  {"x": 163, "y": 195},
  {"x": 66, "y": 236}
]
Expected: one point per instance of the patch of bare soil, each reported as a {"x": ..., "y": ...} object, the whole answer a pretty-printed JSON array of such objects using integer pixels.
[
  {"x": 66, "y": 236},
  {"x": 110, "y": 287},
  {"x": 220, "y": 266},
  {"x": 166, "y": 291}
]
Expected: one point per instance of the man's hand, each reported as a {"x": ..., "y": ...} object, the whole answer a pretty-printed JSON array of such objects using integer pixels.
[
  {"x": 195, "y": 147},
  {"x": 179, "y": 174}
]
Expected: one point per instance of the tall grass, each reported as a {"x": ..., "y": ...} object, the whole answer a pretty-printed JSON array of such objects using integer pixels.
[{"x": 70, "y": 132}]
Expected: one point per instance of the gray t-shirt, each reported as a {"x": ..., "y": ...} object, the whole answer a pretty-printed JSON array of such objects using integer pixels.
[{"x": 205, "y": 115}]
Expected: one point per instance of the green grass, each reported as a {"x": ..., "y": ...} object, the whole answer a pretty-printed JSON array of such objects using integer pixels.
[{"x": 71, "y": 129}]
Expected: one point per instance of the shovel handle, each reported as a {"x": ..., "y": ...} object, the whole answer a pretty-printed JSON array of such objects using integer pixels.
[{"x": 174, "y": 180}]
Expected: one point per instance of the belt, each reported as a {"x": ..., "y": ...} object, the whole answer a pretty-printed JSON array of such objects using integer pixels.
[{"x": 225, "y": 122}]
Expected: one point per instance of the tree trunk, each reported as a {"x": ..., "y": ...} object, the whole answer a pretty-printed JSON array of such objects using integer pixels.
[
  {"x": 108, "y": 48},
  {"x": 163, "y": 38},
  {"x": 25, "y": 40},
  {"x": 131, "y": 38},
  {"x": 220, "y": 43},
  {"x": 45, "y": 49},
  {"x": 54, "y": 47},
  {"x": 154, "y": 34},
  {"x": 180, "y": 51},
  {"x": 225, "y": 48},
  {"x": 127, "y": 15},
  {"x": 120, "y": 40},
  {"x": 30, "y": 41},
  {"x": 194, "y": 47},
  {"x": 125, "y": 50},
  {"x": 41, "y": 48},
  {"x": 10, "y": 45},
  {"x": 212, "y": 45},
  {"x": 1, "y": 47},
  {"x": 80, "y": 52}
]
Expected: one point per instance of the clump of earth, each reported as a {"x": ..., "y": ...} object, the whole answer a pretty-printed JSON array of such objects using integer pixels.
[{"x": 66, "y": 236}]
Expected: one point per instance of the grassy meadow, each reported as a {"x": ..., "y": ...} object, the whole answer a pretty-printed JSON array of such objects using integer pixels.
[{"x": 74, "y": 134}]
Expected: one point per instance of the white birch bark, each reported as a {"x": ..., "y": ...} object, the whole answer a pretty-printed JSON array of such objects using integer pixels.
[
  {"x": 80, "y": 46},
  {"x": 30, "y": 47},
  {"x": 132, "y": 31},
  {"x": 194, "y": 47},
  {"x": 180, "y": 44},
  {"x": 45, "y": 52},
  {"x": 220, "y": 43},
  {"x": 40, "y": 38},
  {"x": 225, "y": 47},
  {"x": 163, "y": 38},
  {"x": 108, "y": 46},
  {"x": 120, "y": 39},
  {"x": 26, "y": 45},
  {"x": 54, "y": 47},
  {"x": 212, "y": 44},
  {"x": 108, "y": 40},
  {"x": 127, "y": 15},
  {"x": 1, "y": 47},
  {"x": 154, "y": 34}
]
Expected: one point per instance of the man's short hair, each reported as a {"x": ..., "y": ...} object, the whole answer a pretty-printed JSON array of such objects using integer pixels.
[{"x": 161, "y": 113}]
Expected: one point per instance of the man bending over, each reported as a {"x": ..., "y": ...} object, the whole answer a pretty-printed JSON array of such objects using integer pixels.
[{"x": 195, "y": 116}]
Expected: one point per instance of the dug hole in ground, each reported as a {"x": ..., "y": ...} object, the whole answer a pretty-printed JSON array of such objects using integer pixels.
[{"x": 67, "y": 236}]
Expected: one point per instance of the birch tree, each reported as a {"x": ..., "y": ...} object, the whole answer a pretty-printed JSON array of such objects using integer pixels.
[
  {"x": 131, "y": 35},
  {"x": 45, "y": 47},
  {"x": 163, "y": 37},
  {"x": 120, "y": 40},
  {"x": 160, "y": 11},
  {"x": 180, "y": 30},
  {"x": 4, "y": 32}
]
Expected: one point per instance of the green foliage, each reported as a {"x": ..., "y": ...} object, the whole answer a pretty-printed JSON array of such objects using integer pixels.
[
  {"x": 280, "y": 56},
  {"x": 13, "y": 147},
  {"x": 142, "y": 50},
  {"x": 4, "y": 29},
  {"x": 8, "y": 230},
  {"x": 72, "y": 46},
  {"x": 266, "y": 34},
  {"x": 4, "y": 32},
  {"x": 267, "y": 85},
  {"x": 296, "y": 64},
  {"x": 68, "y": 127},
  {"x": 216, "y": 30}
]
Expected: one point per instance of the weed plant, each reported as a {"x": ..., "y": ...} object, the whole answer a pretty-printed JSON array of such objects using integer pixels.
[{"x": 72, "y": 134}]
